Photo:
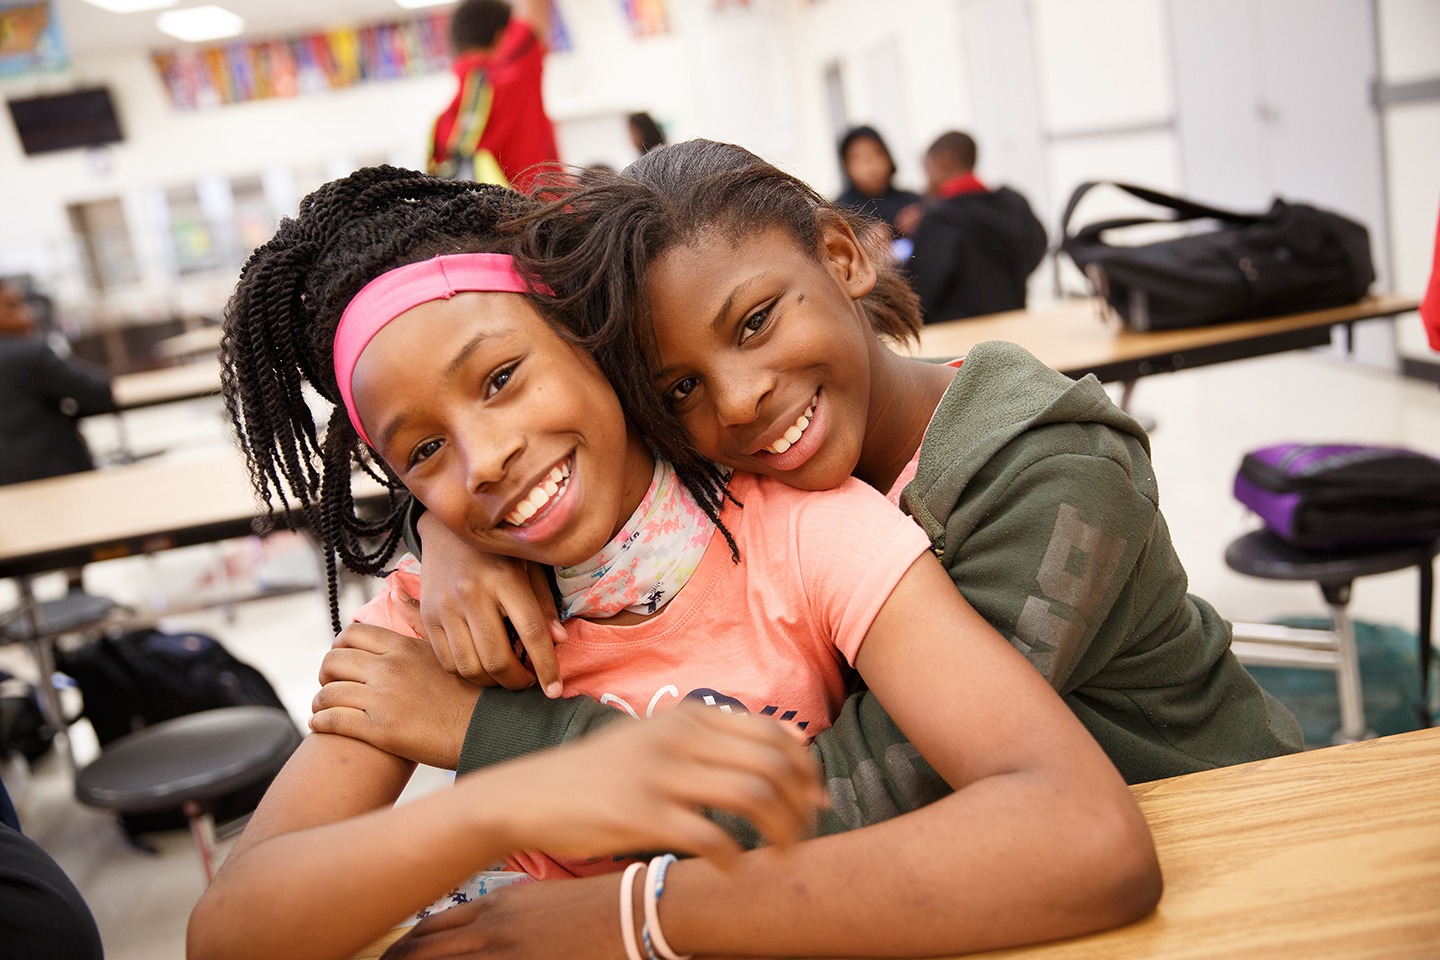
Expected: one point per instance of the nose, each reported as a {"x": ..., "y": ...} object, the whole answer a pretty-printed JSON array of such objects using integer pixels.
[
  {"x": 739, "y": 395},
  {"x": 489, "y": 454}
]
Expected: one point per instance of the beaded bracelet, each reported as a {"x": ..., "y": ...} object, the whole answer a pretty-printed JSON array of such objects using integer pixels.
[
  {"x": 627, "y": 910},
  {"x": 653, "y": 938}
]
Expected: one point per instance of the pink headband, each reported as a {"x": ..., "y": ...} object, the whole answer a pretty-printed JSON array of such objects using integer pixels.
[{"x": 392, "y": 293}]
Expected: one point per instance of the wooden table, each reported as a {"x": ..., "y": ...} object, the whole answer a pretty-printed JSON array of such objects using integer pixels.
[
  {"x": 1332, "y": 854},
  {"x": 121, "y": 511},
  {"x": 1073, "y": 338},
  {"x": 189, "y": 381},
  {"x": 196, "y": 342}
]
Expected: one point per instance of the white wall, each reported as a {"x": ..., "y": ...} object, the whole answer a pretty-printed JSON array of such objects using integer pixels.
[{"x": 1056, "y": 91}]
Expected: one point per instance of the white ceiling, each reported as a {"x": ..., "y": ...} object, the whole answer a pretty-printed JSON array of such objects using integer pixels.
[{"x": 87, "y": 29}]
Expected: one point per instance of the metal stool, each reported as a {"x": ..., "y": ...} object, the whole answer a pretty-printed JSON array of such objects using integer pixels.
[
  {"x": 1263, "y": 554},
  {"x": 190, "y": 762},
  {"x": 38, "y": 624}
]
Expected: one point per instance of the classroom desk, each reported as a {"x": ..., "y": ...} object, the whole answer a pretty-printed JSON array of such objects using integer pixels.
[
  {"x": 1332, "y": 853},
  {"x": 121, "y": 511},
  {"x": 188, "y": 381},
  {"x": 1074, "y": 339},
  {"x": 196, "y": 342}
]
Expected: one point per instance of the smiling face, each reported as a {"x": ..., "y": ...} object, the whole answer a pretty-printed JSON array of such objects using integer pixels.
[
  {"x": 508, "y": 434},
  {"x": 765, "y": 352}
]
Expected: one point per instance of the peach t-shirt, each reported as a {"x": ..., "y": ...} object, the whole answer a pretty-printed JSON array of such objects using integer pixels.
[{"x": 771, "y": 635}]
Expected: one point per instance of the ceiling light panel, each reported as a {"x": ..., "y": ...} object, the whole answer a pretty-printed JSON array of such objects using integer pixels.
[{"x": 198, "y": 24}]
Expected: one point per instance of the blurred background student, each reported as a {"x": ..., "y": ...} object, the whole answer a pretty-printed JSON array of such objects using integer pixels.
[
  {"x": 645, "y": 133},
  {"x": 496, "y": 129},
  {"x": 974, "y": 247},
  {"x": 41, "y": 399},
  {"x": 869, "y": 173}
]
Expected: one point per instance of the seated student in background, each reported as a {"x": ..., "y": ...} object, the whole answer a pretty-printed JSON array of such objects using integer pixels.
[
  {"x": 974, "y": 246},
  {"x": 41, "y": 399},
  {"x": 645, "y": 133},
  {"x": 453, "y": 371},
  {"x": 869, "y": 173}
]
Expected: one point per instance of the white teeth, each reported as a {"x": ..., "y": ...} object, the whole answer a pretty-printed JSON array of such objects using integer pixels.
[
  {"x": 536, "y": 499},
  {"x": 793, "y": 433}
]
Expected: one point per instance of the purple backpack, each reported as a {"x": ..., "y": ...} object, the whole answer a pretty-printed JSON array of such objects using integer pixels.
[{"x": 1335, "y": 495}]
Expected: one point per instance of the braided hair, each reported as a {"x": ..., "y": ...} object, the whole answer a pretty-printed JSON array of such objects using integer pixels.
[
  {"x": 595, "y": 240},
  {"x": 279, "y": 336}
]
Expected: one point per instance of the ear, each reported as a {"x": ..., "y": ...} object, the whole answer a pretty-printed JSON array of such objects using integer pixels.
[{"x": 843, "y": 254}]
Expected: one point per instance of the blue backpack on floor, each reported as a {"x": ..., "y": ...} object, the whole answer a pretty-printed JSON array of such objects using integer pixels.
[{"x": 1338, "y": 495}]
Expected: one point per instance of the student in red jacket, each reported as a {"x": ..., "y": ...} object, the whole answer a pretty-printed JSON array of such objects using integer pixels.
[{"x": 496, "y": 129}]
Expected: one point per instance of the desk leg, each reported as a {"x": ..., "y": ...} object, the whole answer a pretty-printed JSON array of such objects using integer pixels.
[{"x": 43, "y": 652}]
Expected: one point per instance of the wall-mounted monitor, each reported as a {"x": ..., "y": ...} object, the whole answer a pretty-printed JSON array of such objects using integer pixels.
[{"x": 64, "y": 121}]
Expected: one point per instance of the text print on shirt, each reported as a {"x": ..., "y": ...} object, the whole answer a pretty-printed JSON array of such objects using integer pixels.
[
  {"x": 706, "y": 696},
  {"x": 1079, "y": 564}
]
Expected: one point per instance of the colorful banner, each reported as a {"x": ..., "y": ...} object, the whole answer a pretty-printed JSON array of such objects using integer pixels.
[
  {"x": 30, "y": 39},
  {"x": 199, "y": 77}
]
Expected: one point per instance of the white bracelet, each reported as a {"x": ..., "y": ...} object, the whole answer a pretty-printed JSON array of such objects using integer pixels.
[
  {"x": 654, "y": 887},
  {"x": 627, "y": 910}
]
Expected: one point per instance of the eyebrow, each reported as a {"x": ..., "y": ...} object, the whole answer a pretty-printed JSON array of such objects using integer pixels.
[
  {"x": 458, "y": 361},
  {"x": 451, "y": 369}
]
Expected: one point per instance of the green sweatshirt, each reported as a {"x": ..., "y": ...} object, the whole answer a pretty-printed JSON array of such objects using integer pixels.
[{"x": 1040, "y": 499}]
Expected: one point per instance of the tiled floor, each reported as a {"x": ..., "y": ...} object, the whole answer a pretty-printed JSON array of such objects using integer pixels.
[{"x": 1205, "y": 420}]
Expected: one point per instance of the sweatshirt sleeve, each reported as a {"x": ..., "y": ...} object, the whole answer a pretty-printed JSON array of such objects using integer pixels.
[{"x": 871, "y": 771}]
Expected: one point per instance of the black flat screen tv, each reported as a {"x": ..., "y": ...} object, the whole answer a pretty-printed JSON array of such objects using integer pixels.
[{"x": 64, "y": 121}]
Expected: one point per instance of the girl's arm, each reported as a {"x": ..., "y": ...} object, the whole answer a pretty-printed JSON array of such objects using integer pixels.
[
  {"x": 1040, "y": 840},
  {"x": 467, "y": 599},
  {"x": 325, "y": 867}
]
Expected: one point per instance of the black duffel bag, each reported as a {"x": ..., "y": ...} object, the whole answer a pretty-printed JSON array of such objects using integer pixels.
[{"x": 1295, "y": 257}]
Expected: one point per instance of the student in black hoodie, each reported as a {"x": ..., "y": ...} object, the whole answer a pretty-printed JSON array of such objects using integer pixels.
[
  {"x": 41, "y": 396},
  {"x": 974, "y": 247}
]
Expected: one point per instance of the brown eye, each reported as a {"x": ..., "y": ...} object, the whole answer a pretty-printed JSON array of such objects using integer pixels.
[
  {"x": 684, "y": 388},
  {"x": 423, "y": 452},
  {"x": 500, "y": 378},
  {"x": 754, "y": 324}
]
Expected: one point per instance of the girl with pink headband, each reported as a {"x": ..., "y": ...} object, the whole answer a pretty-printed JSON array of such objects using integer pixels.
[{"x": 485, "y": 405}]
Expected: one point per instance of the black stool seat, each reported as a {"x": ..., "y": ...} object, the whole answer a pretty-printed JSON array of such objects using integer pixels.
[
  {"x": 197, "y": 757},
  {"x": 1263, "y": 554},
  {"x": 189, "y": 762},
  {"x": 68, "y": 614}
]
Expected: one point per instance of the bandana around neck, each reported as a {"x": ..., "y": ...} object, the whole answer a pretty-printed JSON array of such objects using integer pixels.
[{"x": 647, "y": 562}]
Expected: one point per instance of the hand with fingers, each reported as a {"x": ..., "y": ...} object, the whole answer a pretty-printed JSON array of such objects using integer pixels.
[
  {"x": 466, "y": 604},
  {"x": 639, "y": 786},
  {"x": 389, "y": 690}
]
